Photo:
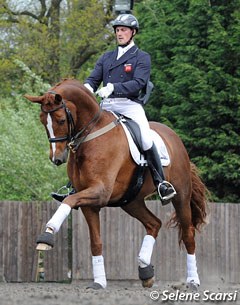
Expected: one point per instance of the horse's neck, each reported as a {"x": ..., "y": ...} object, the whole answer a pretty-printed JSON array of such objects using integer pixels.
[{"x": 87, "y": 107}]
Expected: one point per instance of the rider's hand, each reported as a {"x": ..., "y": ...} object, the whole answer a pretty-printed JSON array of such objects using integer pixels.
[
  {"x": 104, "y": 92},
  {"x": 88, "y": 87}
]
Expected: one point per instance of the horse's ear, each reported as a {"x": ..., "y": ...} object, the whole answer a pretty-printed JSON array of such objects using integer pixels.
[
  {"x": 58, "y": 98},
  {"x": 34, "y": 99}
]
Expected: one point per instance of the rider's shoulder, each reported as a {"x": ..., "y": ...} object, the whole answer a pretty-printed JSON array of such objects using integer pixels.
[{"x": 143, "y": 53}]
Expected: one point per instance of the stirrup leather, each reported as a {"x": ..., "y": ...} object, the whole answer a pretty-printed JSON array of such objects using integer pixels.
[{"x": 167, "y": 197}]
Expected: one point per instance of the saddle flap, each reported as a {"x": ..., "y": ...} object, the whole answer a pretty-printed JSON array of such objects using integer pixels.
[{"x": 134, "y": 130}]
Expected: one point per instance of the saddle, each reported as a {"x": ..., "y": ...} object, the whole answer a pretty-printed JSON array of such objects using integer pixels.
[{"x": 133, "y": 134}]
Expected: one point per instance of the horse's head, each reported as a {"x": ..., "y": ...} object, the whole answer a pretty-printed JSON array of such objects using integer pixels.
[{"x": 58, "y": 117}]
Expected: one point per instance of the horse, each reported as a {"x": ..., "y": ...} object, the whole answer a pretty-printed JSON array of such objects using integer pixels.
[{"x": 93, "y": 143}]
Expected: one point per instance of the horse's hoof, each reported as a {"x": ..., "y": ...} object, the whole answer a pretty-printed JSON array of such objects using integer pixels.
[
  {"x": 45, "y": 241},
  {"x": 95, "y": 286},
  {"x": 193, "y": 286},
  {"x": 146, "y": 274},
  {"x": 148, "y": 283},
  {"x": 43, "y": 247}
]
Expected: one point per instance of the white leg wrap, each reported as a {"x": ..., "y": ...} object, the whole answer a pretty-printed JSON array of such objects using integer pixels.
[
  {"x": 58, "y": 218},
  {"x": 99, "y": 270},
  {"x": 145, "y": 254},
  {"x": 192, "y": 274}
]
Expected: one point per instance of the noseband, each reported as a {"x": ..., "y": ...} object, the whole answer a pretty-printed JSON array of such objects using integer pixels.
[{"x": 71, "y": 125}]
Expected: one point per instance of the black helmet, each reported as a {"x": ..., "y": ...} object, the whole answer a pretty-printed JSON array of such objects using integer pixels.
[{"x": 127, "y": 20}]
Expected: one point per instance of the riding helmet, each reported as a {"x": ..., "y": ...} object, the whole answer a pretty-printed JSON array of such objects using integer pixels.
[{"x": 127, "y": 20}]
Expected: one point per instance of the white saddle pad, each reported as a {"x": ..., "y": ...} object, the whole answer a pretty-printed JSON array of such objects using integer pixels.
[{"x": 138, "y": 157}]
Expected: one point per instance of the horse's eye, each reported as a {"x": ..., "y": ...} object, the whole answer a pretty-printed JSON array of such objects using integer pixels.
[{"x": 61, "y": 122}]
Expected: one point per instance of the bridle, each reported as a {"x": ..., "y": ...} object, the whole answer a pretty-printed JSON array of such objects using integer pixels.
[
  {"x": 71, "y": 125},
  {"x": 73, "y": 139}
]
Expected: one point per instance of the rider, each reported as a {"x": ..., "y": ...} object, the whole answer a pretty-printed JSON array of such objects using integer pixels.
[{"x": 124, "y": 73}]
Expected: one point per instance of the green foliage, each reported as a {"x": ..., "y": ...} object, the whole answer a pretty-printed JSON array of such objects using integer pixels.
[
  {"x": 58, "y": 38},
  {"x": 195, "y": 58},
  {"x": 26, "y": 173}
]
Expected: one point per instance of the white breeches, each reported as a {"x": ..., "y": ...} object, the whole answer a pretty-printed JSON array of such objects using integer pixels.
[{"x": 135, "y": 112}]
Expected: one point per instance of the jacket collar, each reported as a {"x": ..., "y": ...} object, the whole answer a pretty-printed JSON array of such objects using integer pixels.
[{"x": 129, "y": 54}]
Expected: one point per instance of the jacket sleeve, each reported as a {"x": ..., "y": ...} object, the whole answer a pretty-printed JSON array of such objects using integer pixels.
[
  {"x": 140, "y": 78},
  {"x": 96, "y": 77}
]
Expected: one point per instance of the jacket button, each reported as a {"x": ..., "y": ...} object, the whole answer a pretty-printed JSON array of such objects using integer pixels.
[{"x": 121, "y": 75}]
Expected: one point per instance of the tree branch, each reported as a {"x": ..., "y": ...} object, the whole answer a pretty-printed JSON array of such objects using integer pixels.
[
  {"x": 10, "y": 12},
  {"x": 44, "y": 8}
]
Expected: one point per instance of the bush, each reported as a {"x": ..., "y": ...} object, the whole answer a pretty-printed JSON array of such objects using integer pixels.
[{"x": 26, "y": 173}]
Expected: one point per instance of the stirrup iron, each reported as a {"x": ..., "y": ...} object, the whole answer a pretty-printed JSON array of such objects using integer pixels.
[
  {"x": 59, "y": 196},
  {"x": 167, "y": 197}
]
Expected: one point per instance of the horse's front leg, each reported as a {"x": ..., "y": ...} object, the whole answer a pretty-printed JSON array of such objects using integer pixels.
[
  {"x": 91, "y": 197},
  {"x": 93, "y": 221},
  {"x": 45, "y": 241}
]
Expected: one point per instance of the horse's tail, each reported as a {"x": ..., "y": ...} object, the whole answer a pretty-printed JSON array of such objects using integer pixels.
[
  {"x": 198, "y": 199},
  {"x": 198, "y": 203}
]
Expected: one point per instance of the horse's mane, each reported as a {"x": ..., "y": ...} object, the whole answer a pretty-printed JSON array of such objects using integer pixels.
[
  {"x": 77, "y": 84},
  {"x": 64, "y": 80}
]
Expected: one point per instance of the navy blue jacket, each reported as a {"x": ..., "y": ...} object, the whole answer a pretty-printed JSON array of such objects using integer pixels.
[{"x": 129, "y": 74}]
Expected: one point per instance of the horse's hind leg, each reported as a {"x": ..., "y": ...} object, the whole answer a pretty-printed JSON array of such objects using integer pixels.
[
  {"x": 152, "y": 224},
  {"x": 187, "y": 235}
]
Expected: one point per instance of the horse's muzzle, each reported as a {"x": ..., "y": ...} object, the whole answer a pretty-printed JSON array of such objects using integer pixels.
[
  {"x": 60, "y": 158},
  {"x": 57, "y": 162}
]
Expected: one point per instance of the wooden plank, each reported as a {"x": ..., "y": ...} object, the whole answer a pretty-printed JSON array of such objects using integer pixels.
[{"x": 2, "y": 278}]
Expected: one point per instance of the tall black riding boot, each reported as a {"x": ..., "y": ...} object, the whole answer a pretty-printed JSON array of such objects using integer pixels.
[
  {"x": 61, "y": 196},
  {"x": 165, "y": 189}
]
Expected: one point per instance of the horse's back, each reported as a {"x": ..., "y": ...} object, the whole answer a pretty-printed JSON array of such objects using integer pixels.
[
  {"x": 170, "y": 138},
  {"x": 179, "y": 160}
]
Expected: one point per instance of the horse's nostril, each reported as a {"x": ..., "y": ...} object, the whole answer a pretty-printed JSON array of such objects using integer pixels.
[{"x": 57, "y": 162}]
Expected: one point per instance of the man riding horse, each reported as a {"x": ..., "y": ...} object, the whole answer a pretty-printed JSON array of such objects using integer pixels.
[{"x": 125, "y": 73}]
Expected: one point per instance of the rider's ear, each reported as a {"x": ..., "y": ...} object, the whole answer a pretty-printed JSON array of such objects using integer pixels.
[{"x": 58, "y": 98}]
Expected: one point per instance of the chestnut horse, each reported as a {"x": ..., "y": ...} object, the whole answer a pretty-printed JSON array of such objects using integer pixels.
[{"x": 100, "y": 167}]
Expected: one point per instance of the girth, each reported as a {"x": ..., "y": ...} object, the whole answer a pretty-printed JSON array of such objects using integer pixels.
[
  {"x": 139, "y": 173},
  {"x": 133, "y": 189}
]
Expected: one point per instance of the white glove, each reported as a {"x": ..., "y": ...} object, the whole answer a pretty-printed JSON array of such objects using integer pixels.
[
  {"x": 88, "y": 87},
  {"x": 104, "y": 92}
]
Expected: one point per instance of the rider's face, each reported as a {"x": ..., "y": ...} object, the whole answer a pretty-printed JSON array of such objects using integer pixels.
[{"x": 123, "y": 34}]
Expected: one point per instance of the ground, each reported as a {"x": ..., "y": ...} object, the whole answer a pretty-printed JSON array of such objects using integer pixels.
[{"x": 117, "y": 293}]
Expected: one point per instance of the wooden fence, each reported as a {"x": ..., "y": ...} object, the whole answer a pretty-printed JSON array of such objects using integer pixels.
[
  {"x": 218, "y": 246},
  {"x": 20, "y": 223}
]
